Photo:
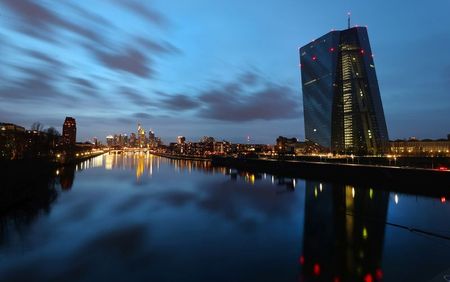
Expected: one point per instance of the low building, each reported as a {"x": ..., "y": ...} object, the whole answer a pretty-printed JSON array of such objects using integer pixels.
[
  {"x": 12, "y": 139},
  {"x": 426, "y": 147}
]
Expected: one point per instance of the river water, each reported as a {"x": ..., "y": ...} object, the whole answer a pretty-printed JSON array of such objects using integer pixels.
[{"x": 137, "y": 217}]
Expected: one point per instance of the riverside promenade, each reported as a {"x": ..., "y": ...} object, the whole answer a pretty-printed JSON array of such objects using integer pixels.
[{"x": 406, "y": 179}]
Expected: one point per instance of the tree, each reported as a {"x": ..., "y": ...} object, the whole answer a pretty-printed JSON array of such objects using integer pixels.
[
  {"x": 51, "y": 131},
  {"x": 37, "y": 126}
]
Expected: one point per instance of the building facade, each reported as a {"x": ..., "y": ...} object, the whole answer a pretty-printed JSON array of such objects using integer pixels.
[
  {"x": 69, "y": 131},
  {"x": 11, "y": 141},
  {"x": 341, "y": 98},
  {"x": 421, "y": 148}
]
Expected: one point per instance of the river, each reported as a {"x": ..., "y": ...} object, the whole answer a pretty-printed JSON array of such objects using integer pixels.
[{"x": 138, "y": 217}]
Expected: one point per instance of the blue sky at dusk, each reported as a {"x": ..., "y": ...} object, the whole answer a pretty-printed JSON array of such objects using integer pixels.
[{"x": 226, "y": 69}]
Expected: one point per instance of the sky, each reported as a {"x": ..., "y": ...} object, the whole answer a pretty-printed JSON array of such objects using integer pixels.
[{"x": 226, "y": 68}]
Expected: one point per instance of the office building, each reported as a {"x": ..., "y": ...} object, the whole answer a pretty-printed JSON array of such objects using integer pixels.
[
  {"x": 341, "y": 100},
  {"x": 69, "y": 131}
]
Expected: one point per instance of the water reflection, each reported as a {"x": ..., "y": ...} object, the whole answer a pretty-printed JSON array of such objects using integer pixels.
[
  {"x": 344, "y": 231},
  {"x": 215, "y": 223},
  {"x": 66, "y": 176},
  {"x": 141, "y": 162},
  {"x": 27, "y": 191}
]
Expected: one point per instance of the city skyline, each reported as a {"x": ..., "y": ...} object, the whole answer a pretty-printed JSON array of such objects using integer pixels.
[{"x": 228, "y": 70}]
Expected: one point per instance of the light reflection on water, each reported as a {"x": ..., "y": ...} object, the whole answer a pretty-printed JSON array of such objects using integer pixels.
[{"x": 139, "y": 217}]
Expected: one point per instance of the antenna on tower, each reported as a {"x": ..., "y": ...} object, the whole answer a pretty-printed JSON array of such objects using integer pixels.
[{"x": 348, "y": 19}]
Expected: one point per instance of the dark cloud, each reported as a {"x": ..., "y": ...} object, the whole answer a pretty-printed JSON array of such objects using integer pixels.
[
  {"x": 180, "y": 102},
  {"x": 88, "y": 15},
  {"x": 147, "y": 13},
  {"x": 125, "y": 120},
  {"x": 249, "y": 78},
  {"x": 134, "y": 97},
  {"x": 45, "y": 58},
  {"x": 235, "y": 102},
  {"x": 83, "y": 82},
  {"x": 247, "y": 98},
  {"x": 40, "y": 20},
  {"x": 162, "y": 48},
  {"x": 142, "y": 116},
  {"x": 38, "y": 84},
  {"x": 130, "y": 60}
]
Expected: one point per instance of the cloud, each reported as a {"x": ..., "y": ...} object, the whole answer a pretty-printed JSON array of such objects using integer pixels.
[
  {"x": 249, "y": 78},
  {"x": 130, "y": 60},
  {"x": 180, "y": 102},
  {"x": 145, "y": 12},
  {"x": 249, "y": 97},
  {"x": 236, "y": 101},
  {"x": 40, "y": 21},
  {"x": 45, "y": 58},
  {"x": 134, "y": 97},
  {"x": 161, "y": 48},
  {"x": 83, "y": 82},
  {"x": 88, "y": 15},
  {"x": 142, "y": 115},
  {"x": 38, "y": 84}
]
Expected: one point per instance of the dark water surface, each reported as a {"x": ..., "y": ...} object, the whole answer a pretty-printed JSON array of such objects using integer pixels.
[{"x": 146, "y": 218}]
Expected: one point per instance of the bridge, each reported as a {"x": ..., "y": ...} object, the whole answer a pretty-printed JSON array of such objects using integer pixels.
[{"x": 120, "y": 150}]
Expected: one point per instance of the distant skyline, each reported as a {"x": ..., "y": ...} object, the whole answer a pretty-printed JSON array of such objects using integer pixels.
[{"x": 227, "y": 69}]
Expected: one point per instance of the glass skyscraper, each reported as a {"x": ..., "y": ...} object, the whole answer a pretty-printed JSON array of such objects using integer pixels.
[{"x": 341, "y": 100}]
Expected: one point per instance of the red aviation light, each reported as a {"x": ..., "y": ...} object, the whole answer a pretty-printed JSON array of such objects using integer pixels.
[
  {"x": 379, "y": 274},
  {"x": 301, "y": 260},
  {"x": 332, "y": 49},
  {"x": 314, "y": 58},
  {"x": 316, "y": 269},
  {"x": 443, "y": 199},
  {"x": 368, "y": 278},
  {"x": 362, "y": 51}
]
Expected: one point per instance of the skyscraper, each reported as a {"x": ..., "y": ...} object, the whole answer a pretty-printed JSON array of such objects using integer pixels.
[
  {"x": 141, "y": 136},
  {"x": 341, "y": 99},
  {"x": 69, "y": 131}
]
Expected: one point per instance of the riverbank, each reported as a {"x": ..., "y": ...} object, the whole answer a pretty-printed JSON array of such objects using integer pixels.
[
  {"x": 406, "y": 179},
  {"x": 182, "y": 157}
]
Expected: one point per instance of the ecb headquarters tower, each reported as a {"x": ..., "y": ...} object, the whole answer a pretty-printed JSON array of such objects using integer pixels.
[{"x": 341, "y": 99}]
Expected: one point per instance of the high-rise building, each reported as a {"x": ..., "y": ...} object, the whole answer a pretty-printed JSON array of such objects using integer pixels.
[
  {"x": 69, "y": 131},
  {"x": 110, "y": 140},
  {"x": 141, "y": 136},
  {"x": 181, "y": 139},
  {"x": 341, "y": 100}
]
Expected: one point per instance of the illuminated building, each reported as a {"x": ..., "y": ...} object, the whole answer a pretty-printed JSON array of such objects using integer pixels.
[
  {"x": 207, "y": 139},
  {"x": 11, "y": 141},
  {"x": 110, "y": 140},
  {"x": 181, "y": 139},
  {"x": 152, "y": 140},
  {"x": 141, "y": 136},
  {"x": 132, "y": 142},
  {"x": 426, "y": 147},
  {"x": 341, "y": 99},
  {"x": 69, "y": 131},
  {"x": 151, "y": 135}
]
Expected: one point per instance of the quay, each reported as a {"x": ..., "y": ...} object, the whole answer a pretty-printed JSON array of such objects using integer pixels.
[{"x": 402, "y": 179}]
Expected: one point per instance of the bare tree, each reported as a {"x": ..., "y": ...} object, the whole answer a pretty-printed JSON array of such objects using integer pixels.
[
  {"x": 37, "y": 126},
  {"x": 53, "y": 132}
]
